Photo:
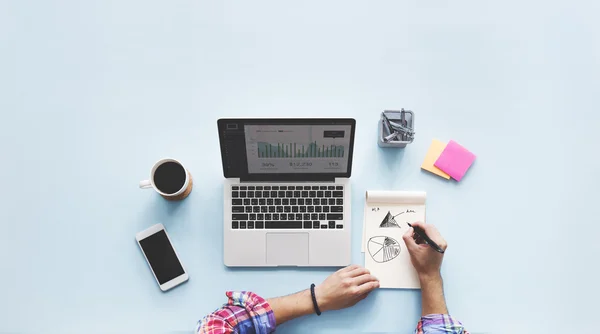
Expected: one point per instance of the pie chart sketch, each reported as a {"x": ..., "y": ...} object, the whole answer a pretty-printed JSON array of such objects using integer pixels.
[{"x": 383, "y": 249}]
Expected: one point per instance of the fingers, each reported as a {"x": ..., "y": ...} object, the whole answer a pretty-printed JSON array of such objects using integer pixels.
[
  {"x": 348, "y": 268},
  {"x": 367, "y": 287},
  {"x": 409, "y": 240},
  {"x": 358, "y": 271},
  {"x": 363, "y": 296},
  {"x": 430, "y": 229},
  {"x": 420, "y": 224},
  {"x": 366, "y": 278},
  {"x": 433, "y": 233}
]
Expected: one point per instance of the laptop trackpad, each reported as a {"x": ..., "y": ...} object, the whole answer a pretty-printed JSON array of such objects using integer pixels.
[{"x": 287, "y": 249}]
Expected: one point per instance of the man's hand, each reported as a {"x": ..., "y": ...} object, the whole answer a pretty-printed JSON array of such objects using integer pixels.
[
  {"x": 341, "y": 289},
  {"x": 345, "y": 287},
  {"x": 426, "y": 261}
]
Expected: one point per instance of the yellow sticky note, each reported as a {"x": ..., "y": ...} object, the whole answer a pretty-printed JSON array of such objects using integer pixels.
[{"x": 433, "y": 154}]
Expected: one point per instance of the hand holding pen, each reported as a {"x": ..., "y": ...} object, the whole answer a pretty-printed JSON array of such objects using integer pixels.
[
  {"x": 426, "y": 247},
  {"x": 420, "y": 234}
]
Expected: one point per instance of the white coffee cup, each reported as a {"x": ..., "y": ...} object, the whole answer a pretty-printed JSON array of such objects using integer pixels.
[{"x": 173, "y": 181}]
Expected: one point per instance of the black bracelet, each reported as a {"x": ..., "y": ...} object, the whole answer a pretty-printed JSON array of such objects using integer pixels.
[{"x": 315, "y": 305}]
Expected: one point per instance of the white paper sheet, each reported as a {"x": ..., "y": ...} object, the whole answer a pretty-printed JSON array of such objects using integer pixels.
[{"x": 386, "y": 216}]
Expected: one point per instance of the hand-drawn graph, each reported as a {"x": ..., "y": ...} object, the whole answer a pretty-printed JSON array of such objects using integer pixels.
[
  {"x": 389, "y": 221},
  {"x": 383, "y": 249}
]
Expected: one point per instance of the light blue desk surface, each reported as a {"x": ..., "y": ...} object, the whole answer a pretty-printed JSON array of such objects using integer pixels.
[{"x": 92, "y": 93}]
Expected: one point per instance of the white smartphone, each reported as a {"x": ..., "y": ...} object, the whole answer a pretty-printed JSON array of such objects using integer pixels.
[{"x": 161, "y": 257}]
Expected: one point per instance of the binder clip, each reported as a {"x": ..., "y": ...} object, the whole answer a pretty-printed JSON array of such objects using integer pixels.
[{"x": 396, "y": 128}]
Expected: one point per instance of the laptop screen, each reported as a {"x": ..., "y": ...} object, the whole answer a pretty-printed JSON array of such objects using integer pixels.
[
  {"x": 297, "y": 148},
  {"x": 286, "y": 147}
]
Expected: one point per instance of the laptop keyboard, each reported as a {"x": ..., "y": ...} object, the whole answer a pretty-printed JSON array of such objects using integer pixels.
[{"x": 287, "y": 207}]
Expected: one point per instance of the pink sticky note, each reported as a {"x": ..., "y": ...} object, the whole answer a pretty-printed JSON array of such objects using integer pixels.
[{"x": 455, "y": 160}]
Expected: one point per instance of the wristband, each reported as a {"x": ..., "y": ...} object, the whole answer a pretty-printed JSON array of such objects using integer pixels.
[{"x": 314, "y": 299}]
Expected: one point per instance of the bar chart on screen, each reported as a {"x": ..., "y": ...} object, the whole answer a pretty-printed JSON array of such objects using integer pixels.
[{"x": 297, "y": 148}]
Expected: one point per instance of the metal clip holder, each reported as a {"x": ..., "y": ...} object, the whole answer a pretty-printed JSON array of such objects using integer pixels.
[{"x": 396, "y": 128}]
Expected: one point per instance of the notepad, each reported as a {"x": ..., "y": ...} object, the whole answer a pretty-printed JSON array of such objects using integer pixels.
[
  {"x": 435, "y": 149},
  {"x": 385, "y": 222},
  {"x": 455, "y": 160}
]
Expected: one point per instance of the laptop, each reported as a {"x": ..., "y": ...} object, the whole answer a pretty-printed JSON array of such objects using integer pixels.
[{"x": 287, "y": 191}]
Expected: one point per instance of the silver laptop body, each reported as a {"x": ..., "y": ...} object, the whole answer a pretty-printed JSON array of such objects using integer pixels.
[{"x": 287, "y": 191}]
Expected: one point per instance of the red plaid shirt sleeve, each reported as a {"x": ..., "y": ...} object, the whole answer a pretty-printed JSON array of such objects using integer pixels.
[
  {"x": 244, "y": 313},
  {"x": 439, "y": 324},
  {"x": 248, "y": 313}
]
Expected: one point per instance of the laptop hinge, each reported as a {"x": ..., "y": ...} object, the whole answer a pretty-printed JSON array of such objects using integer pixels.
[{"x": 287, "y": 178}]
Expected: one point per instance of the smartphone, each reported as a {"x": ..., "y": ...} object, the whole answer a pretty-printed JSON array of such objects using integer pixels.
[{"x": 161, "y": 257}]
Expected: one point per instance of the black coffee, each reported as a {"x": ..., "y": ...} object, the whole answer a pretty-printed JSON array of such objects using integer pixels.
[{"x": 169, "y": 177}]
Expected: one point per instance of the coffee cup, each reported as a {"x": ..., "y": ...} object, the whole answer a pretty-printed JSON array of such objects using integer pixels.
[{"x": 170, "y": 179}]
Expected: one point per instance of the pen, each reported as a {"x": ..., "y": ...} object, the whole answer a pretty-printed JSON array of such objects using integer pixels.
[
  {"x": 403, "y": 122},
  {"x": 428, "y": 240},
  {"x": 386, "y": 121}
]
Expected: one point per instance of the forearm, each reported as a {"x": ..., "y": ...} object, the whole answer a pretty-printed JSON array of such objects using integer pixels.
[
  {"x": 432, "y": 295},
  {"x": 290, "y": 307}
]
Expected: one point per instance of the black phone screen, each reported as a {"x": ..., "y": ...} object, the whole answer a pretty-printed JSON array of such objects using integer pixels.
[{"x": 162, "y": 257}]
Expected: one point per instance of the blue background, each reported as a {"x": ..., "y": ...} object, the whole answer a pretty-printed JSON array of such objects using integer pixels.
[{"x": 92, "y": 93}]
